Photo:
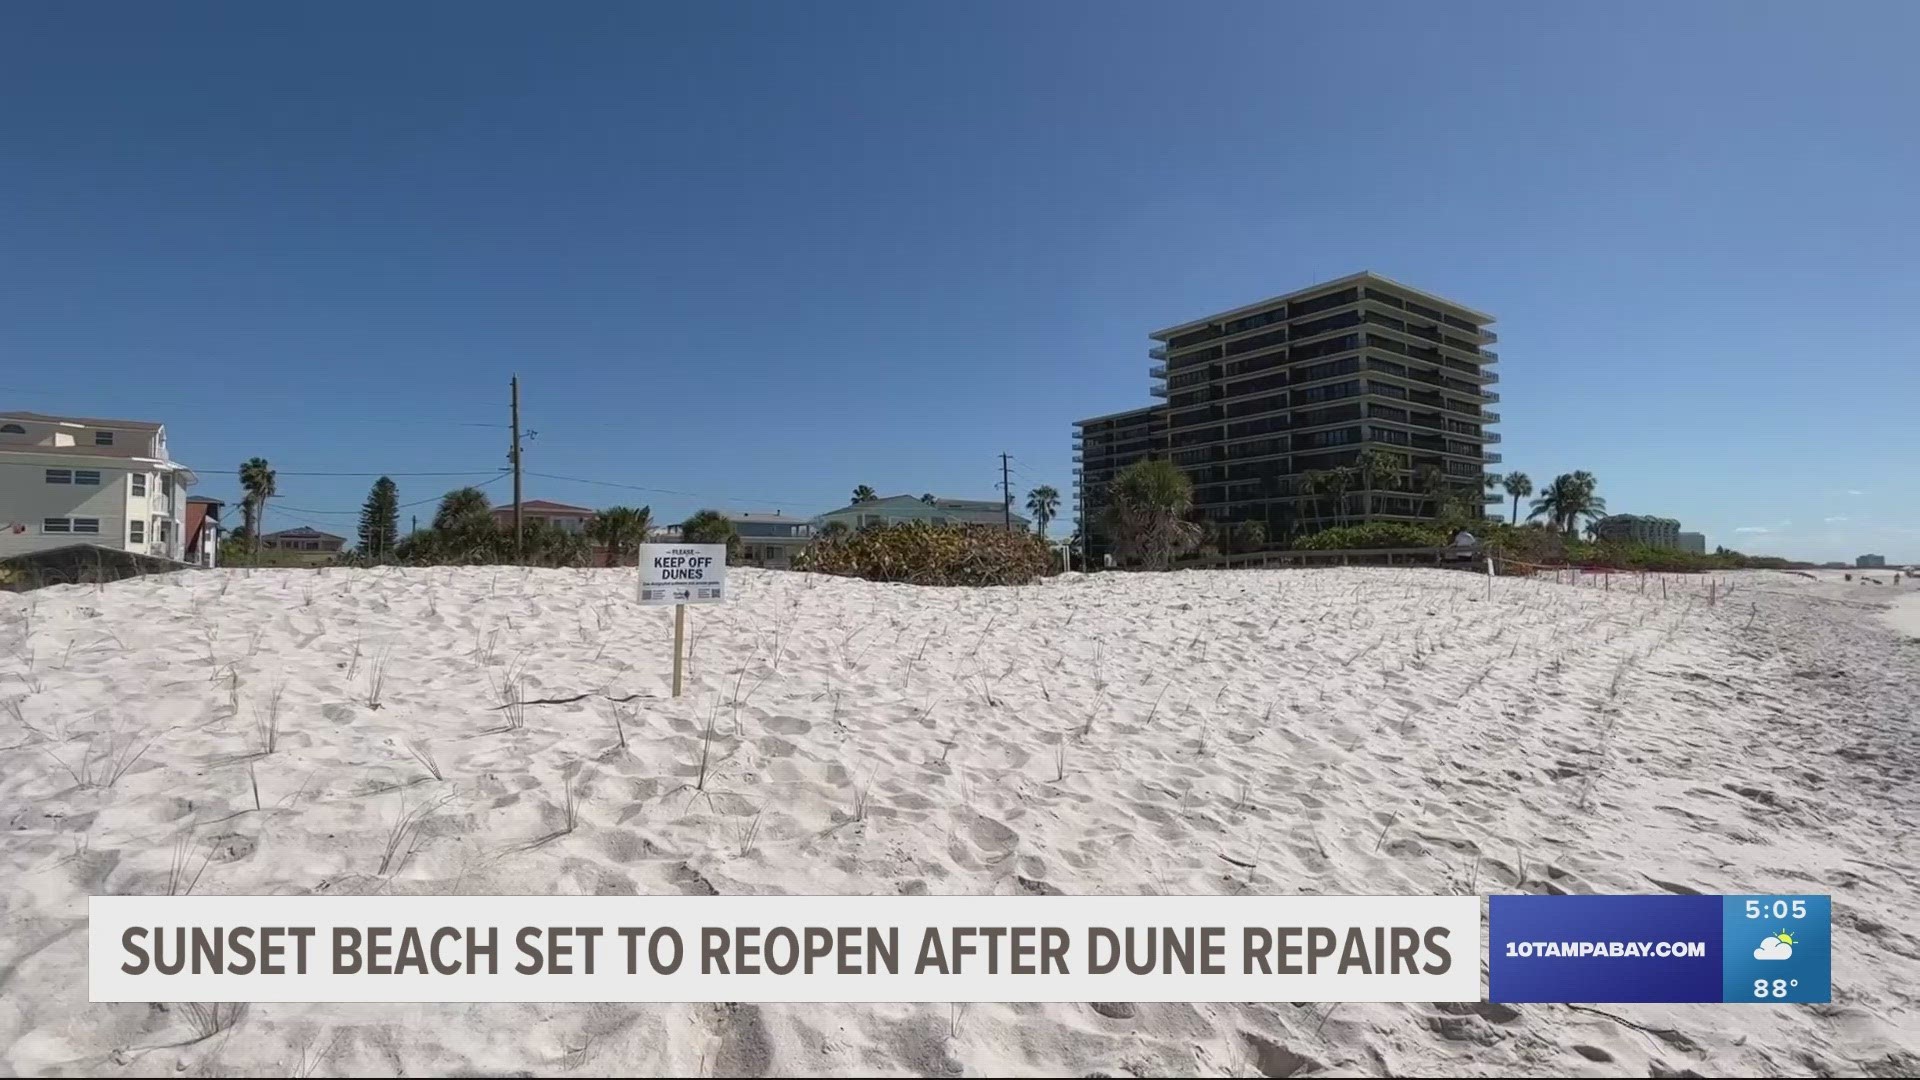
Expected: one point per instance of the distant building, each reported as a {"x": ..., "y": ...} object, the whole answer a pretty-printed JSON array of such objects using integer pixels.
[
  {"x": 766, "y": 540},
  {"x": 1693, "y": 543},
  {"x": 1870, "y": 562},
  {"x": 308, "y": 545},
  {"x": 68, "y": 480},
  {"x": 202, "y": 544},
  {"x": 1102, "y": 446},
  {"x": 561, "y": 516},
  {"x": 1265, "y": 397},
  {"x": 1635, "y": 529},
  {"x": 901, "y": 509},
  {"x": 771, "y": 540}
]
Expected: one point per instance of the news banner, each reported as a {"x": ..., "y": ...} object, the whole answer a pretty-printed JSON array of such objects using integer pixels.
[{"x": 1758, "y": 949}]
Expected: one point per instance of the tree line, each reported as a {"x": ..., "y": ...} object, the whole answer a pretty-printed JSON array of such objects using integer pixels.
[{"x": 1151, "y": 519}]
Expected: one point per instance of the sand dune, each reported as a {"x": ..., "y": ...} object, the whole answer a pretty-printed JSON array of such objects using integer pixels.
[{"x": 1330, "y": 731}]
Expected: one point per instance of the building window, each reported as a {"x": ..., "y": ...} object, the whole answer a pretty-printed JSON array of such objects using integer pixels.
[
  {"x": 166, "y": 484},
  {"x": 103, "y": 438},
  {"x": 136, "y": 532},
  {"x": 139, "y": 483},
  {"x": 59, "y": 476},
  {"x": 166, "y": 531},
  {"x": 71, "y": 525},
  {"x": 90, "y": 477}
]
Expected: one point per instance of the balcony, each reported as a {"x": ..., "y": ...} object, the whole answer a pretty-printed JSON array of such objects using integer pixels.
[
  {"x": 1489, "y": 377},
  {"x": 1490, "y": 458},
  {"x": 1158, "y": 371},
  {"x": 1490, "y": 436},
  {"x": 1488, "y": 416},
  {"x": 1158, "y": 352},
  {"x": 1077, "y": 458},
  {"x": 1157, "y": 391},
  {"x": 1489, "y": 396}
]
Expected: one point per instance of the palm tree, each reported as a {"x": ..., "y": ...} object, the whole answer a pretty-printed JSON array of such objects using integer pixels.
[
  {"x": 1340, "y": 481},
  {"x": 1519, "y": 485},
  {"x": 1250, "y": 535},
  {"x": 1044, "y": 504},
  {"x": 1377, "y": 468},
  {"x": 257, "y": 480},
  {"x": 1313, "y": 484},
  {"x": 927, "y": 498},
  {"x": 1567, "y": 500},
  {"x": 863, "y": 493},
  {"x": 460, "y": 507},
  {"x": 1148, "y": 503},
  {"x": 711, "y": 527},
  {"x": 622, "y": 529},
  {"x": 833, "y": 530},
  {"x": 1433, "y": 483}
]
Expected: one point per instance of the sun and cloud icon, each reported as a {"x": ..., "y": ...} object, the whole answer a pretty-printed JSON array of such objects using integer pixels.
[{"x": 1775, "y": 947}]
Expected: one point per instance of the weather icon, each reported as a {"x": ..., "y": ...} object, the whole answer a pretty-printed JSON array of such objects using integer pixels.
[{"x": 1775, "y": 947}]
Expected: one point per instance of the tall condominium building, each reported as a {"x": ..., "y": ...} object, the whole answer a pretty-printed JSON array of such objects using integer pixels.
[
  {"x": 1637, "y": 529},
  {"x": 1265, "y": 400},
  {"x": 1102, "y": 446}
]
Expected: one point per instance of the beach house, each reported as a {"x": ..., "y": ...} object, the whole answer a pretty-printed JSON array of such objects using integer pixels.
[
  {"x": 901, "y": 509},
  {"x": 68, "y": 480}
]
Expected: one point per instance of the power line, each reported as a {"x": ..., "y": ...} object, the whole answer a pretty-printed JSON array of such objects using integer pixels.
[
  {"x": 400, "y": 506},
  {"x": 670, "y": 491},
  {"x": 470, "y": 472}
]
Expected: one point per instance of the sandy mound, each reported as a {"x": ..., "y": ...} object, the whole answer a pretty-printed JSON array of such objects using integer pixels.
[{"x": 1332, "y": 731}]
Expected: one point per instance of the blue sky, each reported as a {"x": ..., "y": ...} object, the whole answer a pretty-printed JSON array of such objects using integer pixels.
[{"x": 754, "y": 255}]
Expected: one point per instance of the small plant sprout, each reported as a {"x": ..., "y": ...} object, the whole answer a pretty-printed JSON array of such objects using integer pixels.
[
  {"x": 377, "y": 676},
  {"x": 266, "y": 718},
  {"x": 510, "y": 696},
  {"x": 571, "y": 797},
  {"x": 403, "y": 836},
  {"x": 750, "y": 833},
  {"x": 210, "y": 1018},
  {"x": 182, "y": 874},
  {"x": 1060, "y": 759},
  {"x": 620, "y": 714},
  {"x": 861, "y": 796},
  {"x": 422, "y": 752}
]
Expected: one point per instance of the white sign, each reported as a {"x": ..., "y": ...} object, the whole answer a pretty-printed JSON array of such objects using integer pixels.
[
  {"x": 784, "y": 948},
  {"x": 683, "y": 573}
]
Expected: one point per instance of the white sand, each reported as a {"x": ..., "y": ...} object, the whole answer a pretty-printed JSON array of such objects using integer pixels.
[{"x": 1337, "y": 731}]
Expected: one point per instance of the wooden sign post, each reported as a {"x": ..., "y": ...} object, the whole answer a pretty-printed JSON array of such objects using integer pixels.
[{"x": 682, "y": 574}]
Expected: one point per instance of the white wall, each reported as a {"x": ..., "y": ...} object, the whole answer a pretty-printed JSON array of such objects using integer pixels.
[{"x": 27, "y": 499}]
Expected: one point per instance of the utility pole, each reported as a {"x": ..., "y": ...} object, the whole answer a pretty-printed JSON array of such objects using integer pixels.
[
  {"x": 519, "y": 538},
  {"x": 1006, "y": 496}
]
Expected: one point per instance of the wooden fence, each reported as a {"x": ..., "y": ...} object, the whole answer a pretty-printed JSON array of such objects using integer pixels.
[{"x": 1436, "y": 556}]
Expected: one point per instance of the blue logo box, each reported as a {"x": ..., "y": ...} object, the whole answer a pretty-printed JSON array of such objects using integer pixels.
[{"x": 1659, "y": 948}]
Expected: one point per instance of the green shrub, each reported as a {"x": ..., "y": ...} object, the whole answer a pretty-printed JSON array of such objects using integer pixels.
[
  {"x": 1374, "y": 534},
  {"x": 922, "y": 554}
]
